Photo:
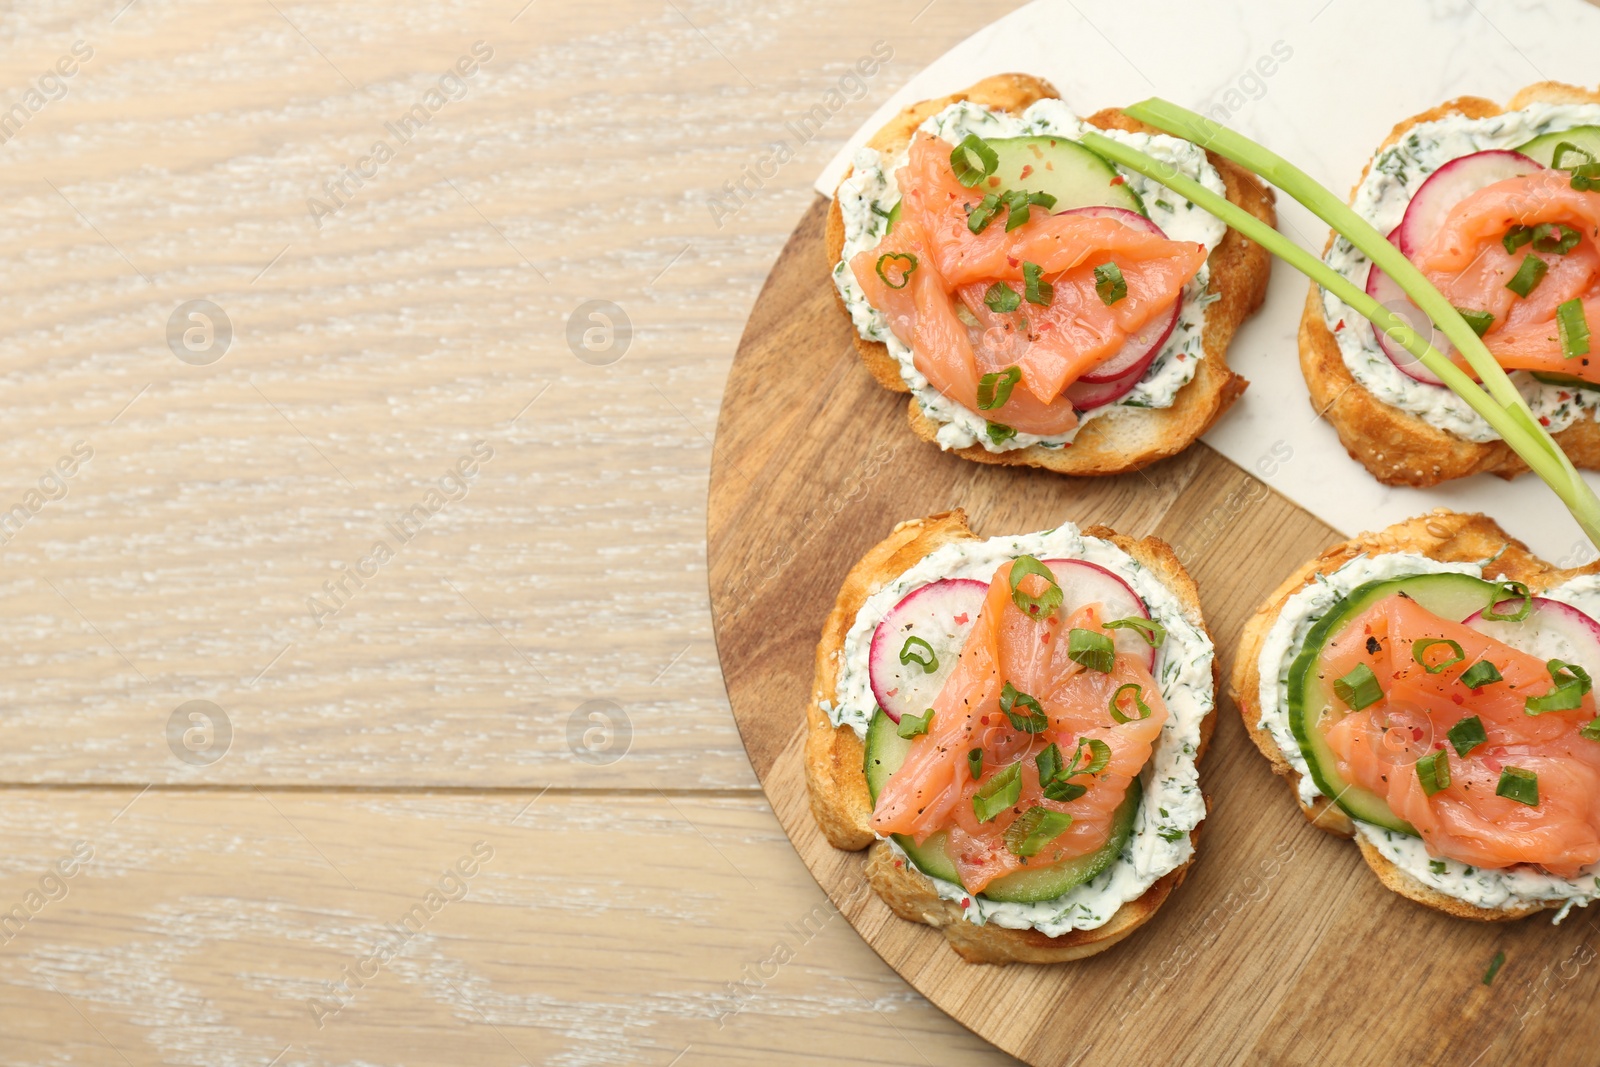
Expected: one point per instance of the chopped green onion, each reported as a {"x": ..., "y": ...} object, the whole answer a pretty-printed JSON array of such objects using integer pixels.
[
  {"x": 1138, "y": 702},
  {"x": 982, "y": 213},
  {"x": 915, "y": 725},
  {"x": 1500, "y": 957},
  {"x": 1496, "y": 400},
  {"x": 1109, "y": 283},
  {"x": 1528, "y": 276},
  {"x": 1034, "y": 290},
  {"x": 1519, "y": 785},
  {"x": 1035, "y": 607},
  {"x": 1059, "y": 786},
  {"x": 1031, "y": 719},
  {"x": 1571, "y": 670},
  {"x": 1048, "y": 762},
  {"x": 1433, "y": 770},
  {"x": 1565, "y": 149},
  {"x": 1436, "y": 866},
  {"x": 918, "y": 651},
  {"x": 1097, "y": 748},
  {"x": 1555, "y": 237},
  {"x": 994, "y": 388},
  {"x": 998, "y": 793},
  {"x": 1002, "y": 299},
  {"x": 973, "y": 160},
  {"x": 1153, "y": 632},
  {"x": 975, "y": 763},
  {"x": 999, "y": 432},
  {"x": 897, "y": 257},
  {"x": 1573, "y": 328},
  {"x": 1591, "y": 730},
  {"x": 1092, "y": 649},
  {"x": 1585, "y": 171},
  {"x": 1515, "y": 238},
  {"x": 1480, "y": 674},
  {"x": 1480, "y": 321},
  {"x": 1419, "y": 652},
  {"x": 1585, "y": 176},
  {"x": 1511, "y": 591},
  {"x": 1466, "y": 735},
  {"x": 1016, "y": 201},
  {"x": 1064, "y": 791},
  {"x": 1034, "y": 829},
  {"x": 1569, "y": 682},
  {"x": 1358, "y": 689}
]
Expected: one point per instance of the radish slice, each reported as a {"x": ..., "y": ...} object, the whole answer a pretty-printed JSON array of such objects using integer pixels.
[
  {"x": 1139, "y": 350},
  {"x": 1085, "y": 394},
  {"x": 1121, "y": 214},
  {"x": 1551, "y": 630},
  {"x": 942, "y": 614},
  {"x": 1088, "y": 583},
  {"x": 1386, "y": 291},
  {"x": 1137, "y": 353},
  {"x": 1451, "y": 184}
]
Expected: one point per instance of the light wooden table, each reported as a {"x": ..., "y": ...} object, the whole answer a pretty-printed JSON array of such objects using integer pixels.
[{"x": 266, "y": 877}]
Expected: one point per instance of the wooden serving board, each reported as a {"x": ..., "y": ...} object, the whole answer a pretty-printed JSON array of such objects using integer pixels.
[{"x": 1281, "y": 947}]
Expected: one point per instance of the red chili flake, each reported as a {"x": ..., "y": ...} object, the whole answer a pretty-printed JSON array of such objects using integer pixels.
[
  {"x": 1416, "y": 733},
  {"x": 892, "y": 692},
  {"x": 1011, "y": 261},
  {"x": 898, "y": 864},
  {"x": 1438, "y": 745},
  {"x": 1563, "y": 395},
  {"x": 1044, "y": 638},
  {"x": 1119, "y": 180},
  {"x": 1340, "y": 326},
  {"x": 994, "y": 183},
  {"x": 961, "y": 620},
  {"x": 1544, "y": 420},
  {"x": 1458, "y": 698},
  {"x": 966, "y": 902},
  {"x": 984, "y": 719},
  {"x": 1027, "y": 170}
]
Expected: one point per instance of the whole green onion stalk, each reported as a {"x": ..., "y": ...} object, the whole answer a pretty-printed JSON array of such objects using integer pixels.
[{"x": 1497, "y": 400}]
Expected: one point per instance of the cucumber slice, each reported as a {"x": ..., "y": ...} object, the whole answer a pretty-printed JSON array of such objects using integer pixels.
[
  {"x": 1542, "y": 150},
  {"x": 1566, "y": 381},
  {"x": 886, "y": 751},
  {"x": 894, "y": 217},
  {"x": 1311, "y": 701},
  {"x": 1066, "y": 170}
]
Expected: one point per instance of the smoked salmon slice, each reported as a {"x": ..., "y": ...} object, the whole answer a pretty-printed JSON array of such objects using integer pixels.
[
  {"x": 1378, "y": 746},
  {"x": 933, "y": 789},
  {"x": 955, "y": 337},
  {"x": 1467, "y": 261}
]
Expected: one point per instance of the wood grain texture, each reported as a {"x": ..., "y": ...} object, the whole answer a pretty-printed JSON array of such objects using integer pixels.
[
  {"x": 1281, "y": 947},
  {"x": 233, "y": 927},
  {"x": 369, "y": 353}
]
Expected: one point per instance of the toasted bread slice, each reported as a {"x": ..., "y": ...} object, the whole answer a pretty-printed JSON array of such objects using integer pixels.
[
  {"x": 837, "y": 781},
  {"x": 1397, "y": 447},
  {"x": 1442, "y": 535},
  {"x": 1128, "y": 438}
]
